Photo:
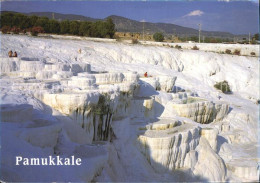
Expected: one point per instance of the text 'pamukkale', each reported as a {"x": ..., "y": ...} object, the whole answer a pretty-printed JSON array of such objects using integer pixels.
[{"x": 50, "y": 161}]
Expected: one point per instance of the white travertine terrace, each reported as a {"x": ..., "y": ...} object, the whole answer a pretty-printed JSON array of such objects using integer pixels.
[
  {"x": 170, "y": 126},
  {"x": 201, "y": 111},
  {"x": 167, "y": 149}
]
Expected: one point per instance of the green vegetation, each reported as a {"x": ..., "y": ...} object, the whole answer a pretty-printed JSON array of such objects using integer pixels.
[
  {"x": 205, "y": 40},
  {"x": 193, "y": 38},
  {"x": 19, "y": 23},
  {"x": 216, "y": 40},
  {"x": 102, "y": 107},
  {"x": 142, "y": 128},
  {"x": 223, "y": 86},
  {"x": 228, "y": 51},
  {"x": 177, "y": 46},
  {"x": 256, "y": 37},
  {"x": 195, "y": 48},
  {"x": 236, "y": 52},
  {"x": 158, "y": 36},
  {"x": 36, "y": 30},
  {"x": 5, "y": 29},
  {"x": 102, "y": 118},
  {"x": 135, "y": 41}
]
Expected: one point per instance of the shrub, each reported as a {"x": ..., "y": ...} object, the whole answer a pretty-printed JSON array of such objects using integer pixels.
[
  {"x": 236, "y": 52},
  {"x": 135, "y": 41},
  {"x": 118, "y": 39},
  {"x": 223, "y": 86},
  {"x": 36, "y": 30},
  {"x": 256, "y": 37},
  {"x": 64, "y": 27},
  {"x": 5, "y": 29},
  {"x": 195, "y": 48},
  {"x": 158, "y": 37},
  {"x": 23, "y": 31},
  {"x": 110, "y": 27},
  {"x": 15, "y": 30},
  {"x": 228, "y": 51},
  {"x": 34, "y": 33},
  {"x": 29, "y": 30},
  {"x": 177, "y": 46},
  {"x": 252, "y": 53},
  {"x": 74, "y": 27}
]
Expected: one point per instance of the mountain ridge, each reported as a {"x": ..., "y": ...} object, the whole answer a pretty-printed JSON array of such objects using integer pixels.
[{"x": 124, "y": 24}]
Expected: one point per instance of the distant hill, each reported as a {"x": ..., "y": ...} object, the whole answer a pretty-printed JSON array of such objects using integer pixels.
[{"x": 127, "y": 25}]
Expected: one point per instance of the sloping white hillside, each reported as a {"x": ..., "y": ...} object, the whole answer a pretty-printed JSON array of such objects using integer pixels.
[{"x": 97, "y": 105}]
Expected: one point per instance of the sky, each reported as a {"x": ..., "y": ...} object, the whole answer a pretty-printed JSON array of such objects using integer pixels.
[{"x": 238, "y": 17}]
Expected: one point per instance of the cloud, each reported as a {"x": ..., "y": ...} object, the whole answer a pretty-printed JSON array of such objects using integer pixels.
[{"x": 194, "y": 13}]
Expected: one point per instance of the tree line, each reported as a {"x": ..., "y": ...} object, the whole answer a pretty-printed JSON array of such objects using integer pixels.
[
  {"x": 16, "y": 23},
  {"x": 254, "y": 38},
  {"x": 206, "y": 39}
]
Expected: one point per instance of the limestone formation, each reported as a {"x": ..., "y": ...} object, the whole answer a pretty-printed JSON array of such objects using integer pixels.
[
  {"x": 166, "y": 149},
  {"x": 201, "y": 111},
  {"x": 172, "y": 125}
]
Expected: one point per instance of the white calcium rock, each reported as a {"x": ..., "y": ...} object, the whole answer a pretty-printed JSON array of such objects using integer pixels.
[
  {"x": 132, "y": 77},
  {"x": 45, "y": 74},
  {"x": 33, "y": 66},
  {"x": 211, "y": 135},
  {"x": 67, "y": 103},
  {"x": 142, "y": 107},
  {"x": 244, "y": 169},
  {"x": 116, "y": 78},
  {"x": 166, "y": 149},
  {"x": 82, "y": 82},
  {"x": 209, "y": 165},
  {"x": 191, "y": 159},
  {"x": 163, "y": 124},
  {"x": 163, "y": 83},
  {"x": 62, "y": 75},
  {"x": 166, "y": 83},
  {"x": 81, "y": 67},
  {"x": 109, "y": 78},
  {"x": 180, "y": 95},
  {"x": 8, "y": 65},
  {"x": 57, "y": 67},
  {"x": 23, "y": 113},
  {"x": 35, "y": 136},
  {"x": 24, "y": 74},
  {"x": 201, "y": 111}
]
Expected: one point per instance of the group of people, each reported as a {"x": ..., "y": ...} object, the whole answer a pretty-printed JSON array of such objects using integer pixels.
[{"x": 11, "y": 54}]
